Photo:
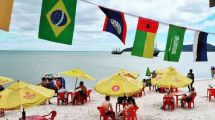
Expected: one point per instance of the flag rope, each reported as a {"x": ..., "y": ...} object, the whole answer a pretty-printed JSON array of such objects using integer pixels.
[{"x": 136, "y": 16}]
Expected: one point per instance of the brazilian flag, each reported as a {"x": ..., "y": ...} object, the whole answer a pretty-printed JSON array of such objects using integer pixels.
[{"x": 57, "y": 20}]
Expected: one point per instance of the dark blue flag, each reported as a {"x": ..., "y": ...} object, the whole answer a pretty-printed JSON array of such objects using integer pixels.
[
  {"x": 115, "y": 23},
  {"x": 200, "y": 46}
]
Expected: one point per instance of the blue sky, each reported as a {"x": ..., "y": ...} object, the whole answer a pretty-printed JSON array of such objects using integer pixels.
[{"x": 88, "y": 35}]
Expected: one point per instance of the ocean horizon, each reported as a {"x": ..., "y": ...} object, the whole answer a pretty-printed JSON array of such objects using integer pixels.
[{"x": 31, "y": 66}]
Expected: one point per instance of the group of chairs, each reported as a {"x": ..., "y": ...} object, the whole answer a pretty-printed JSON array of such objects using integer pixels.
[
  {"x": 63, "y": 98},
  {"x": 129, "y": 114},
  {"x": 170, "y": 102}
]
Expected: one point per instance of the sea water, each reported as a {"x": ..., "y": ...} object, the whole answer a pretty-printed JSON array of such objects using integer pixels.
[{"x": 31, "y": 66}]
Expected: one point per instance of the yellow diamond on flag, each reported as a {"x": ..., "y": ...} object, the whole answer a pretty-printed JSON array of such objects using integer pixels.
[{"x": 58, "y": 18}]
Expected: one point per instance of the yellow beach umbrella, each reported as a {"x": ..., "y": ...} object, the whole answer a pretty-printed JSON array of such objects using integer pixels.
[
  {"x": 5, "y": 80},
  {"x": 127, "y": 73},
  {"x": 118, "y": 85},
  {"x": 23, "y": 94},
  {"x": 77, "y": 73},
  {"x": 171, "y": 78}
]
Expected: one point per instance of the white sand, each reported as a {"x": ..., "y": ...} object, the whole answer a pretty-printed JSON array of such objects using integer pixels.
[{"x": 149, "y": 107}]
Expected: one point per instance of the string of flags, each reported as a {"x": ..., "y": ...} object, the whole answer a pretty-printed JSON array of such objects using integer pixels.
[{"x": 57, "y": 23}]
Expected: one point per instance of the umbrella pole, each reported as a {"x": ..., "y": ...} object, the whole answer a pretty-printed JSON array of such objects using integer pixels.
[
  {"x": 75, "y": 83},
  {"x": 23, "y": 113}
]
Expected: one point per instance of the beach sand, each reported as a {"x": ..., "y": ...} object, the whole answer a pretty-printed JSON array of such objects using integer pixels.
[{"x": 149, "y": 107}]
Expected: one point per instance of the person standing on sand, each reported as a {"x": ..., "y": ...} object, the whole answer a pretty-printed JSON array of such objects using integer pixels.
[
  {"x": 212, "y": 72},
  {"x": 191, "y": 76},
  {"x": 154, "y": 75}
]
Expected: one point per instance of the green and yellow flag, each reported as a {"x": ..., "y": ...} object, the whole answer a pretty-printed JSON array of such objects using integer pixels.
[
  {"x": 174, "y": 43},
  {"x": 5, "y": 14},
  {"x": 57, "y": 20},
  {"x": 145, "y": 37}
]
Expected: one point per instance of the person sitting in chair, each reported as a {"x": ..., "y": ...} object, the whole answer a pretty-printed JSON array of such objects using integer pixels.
[
  {"x": 188, "y": 98},
  {"x": 82, "y": 91},
  {"x": 63, "y": 90},
  {"x": 108, "y": 108},
  {"x": 165, "y": 98},
  {"x": 131, "y": 103}
]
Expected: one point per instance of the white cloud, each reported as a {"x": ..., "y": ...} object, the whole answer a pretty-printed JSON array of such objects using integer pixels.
[{"x": 89, "y": 22}]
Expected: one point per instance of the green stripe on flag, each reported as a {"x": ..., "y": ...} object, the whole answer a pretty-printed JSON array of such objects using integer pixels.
[
  {"x": 139, "y": 43},
  {"x": 174, "y": 43}
]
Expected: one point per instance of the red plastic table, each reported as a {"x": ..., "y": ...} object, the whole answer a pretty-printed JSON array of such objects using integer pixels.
[
  {"x": 34, "y": 117},
  {"x": 176, "y": 95}
]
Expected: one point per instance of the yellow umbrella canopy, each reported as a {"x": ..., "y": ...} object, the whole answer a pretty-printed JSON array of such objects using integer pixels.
[
  {"x": 118, "y": 85},
  {"x": 77, "y": 73},
  {"x": 5, "y": 80},
  {"x": 161, "y": 71},
  {"x": 23, "y": 94},
  {"x": 127, "y": 73},
  {"x": 171, "y": 78}
]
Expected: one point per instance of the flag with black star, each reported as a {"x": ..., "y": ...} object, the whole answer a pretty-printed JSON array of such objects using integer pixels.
[{"x": 145, "y": 38}]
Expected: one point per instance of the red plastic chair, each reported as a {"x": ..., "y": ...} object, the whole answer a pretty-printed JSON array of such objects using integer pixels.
[
  {"x": 168, "y": 101},
  {"x": 2, "y": 112},
  {"x": 163, "y": 89},
  {"x": 211, "y": 93},
  {"x": 130, "y": 114},
  {"x": 140, "y": 94},
  {"x": 189, "y": 104},
  {"x": 53, "y": 115},
  {"x": 78, "y": 98},
  {"x": 63, "y": 97},
  {"x": 173, "y": 89},
  {"x": 88, "y": 93},
  {"x": 102, "y": 113}
]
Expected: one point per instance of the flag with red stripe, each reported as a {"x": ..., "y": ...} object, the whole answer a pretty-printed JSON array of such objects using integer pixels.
[{"x": 115, "y": 23}]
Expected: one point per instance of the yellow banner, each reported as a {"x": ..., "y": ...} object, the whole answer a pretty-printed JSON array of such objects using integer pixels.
[
  {"x": 149, "y": 45},
  {"x": 5, "y": 14}
]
